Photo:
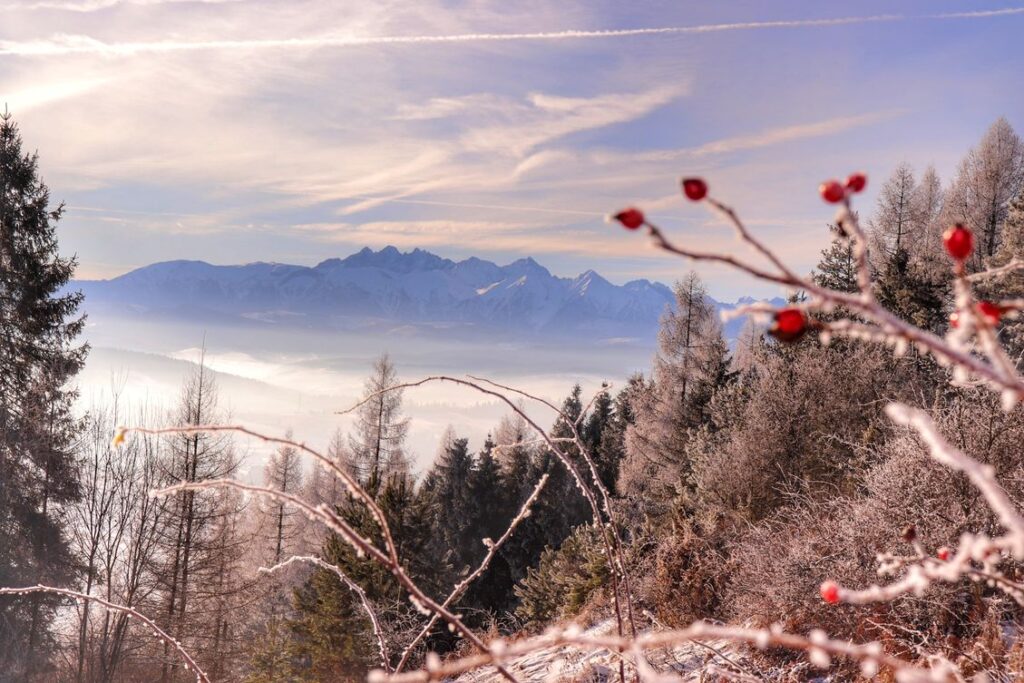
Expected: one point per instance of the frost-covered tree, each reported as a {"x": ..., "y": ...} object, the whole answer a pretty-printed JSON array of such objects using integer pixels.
[
  {"x": 893, "y": 222},
  {"x": 191, "y": 537},
  {"x": 377, "y": 447},
  {"x": 39, "y": 324},
  {"x": 988, "y": 179},
  {"x": 926, "y": 249},
  {"x": 837, "y": 268},
  {"x": 692, "y": 359},
  {"x": 282, "y": 524}
]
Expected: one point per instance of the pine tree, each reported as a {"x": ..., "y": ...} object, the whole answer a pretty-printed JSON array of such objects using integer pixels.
[
  {"x": 449, "y": 481},
  {"x": 38, "y": 327},
  {"x": 489, "y": 518},
  {"x": 837, "y": 268}
]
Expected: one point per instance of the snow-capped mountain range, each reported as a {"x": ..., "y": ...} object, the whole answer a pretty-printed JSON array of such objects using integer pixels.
[{"x": 388, "y": 288}]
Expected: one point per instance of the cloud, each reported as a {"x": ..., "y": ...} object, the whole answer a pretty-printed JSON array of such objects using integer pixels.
[
  {"x": 31, "y": 97},
  {"x": 65, "y": 44},
  {"x": 446, "y": 107},
  {"x": 84, "y": 6},
  {"x": 774, "y": 136}
]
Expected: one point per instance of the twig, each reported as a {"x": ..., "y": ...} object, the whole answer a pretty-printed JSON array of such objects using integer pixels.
[
  {"x": 385, "y": 658},
  {"x": 190, "y": 663}
]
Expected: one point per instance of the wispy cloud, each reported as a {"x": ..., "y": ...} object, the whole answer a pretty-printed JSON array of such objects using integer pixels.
[
  {"x": 31, "y": 97},
  {"x": 84, "y": 6},
  {"x": 65, "y": 44},
  {"x": 774, "y": 136}
]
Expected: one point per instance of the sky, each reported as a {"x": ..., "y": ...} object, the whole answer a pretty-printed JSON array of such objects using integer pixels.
[{"x": 250, "y": 130}]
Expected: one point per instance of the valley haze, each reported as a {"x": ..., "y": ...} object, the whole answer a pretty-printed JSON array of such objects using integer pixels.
[{"x": 292, "y": 344}]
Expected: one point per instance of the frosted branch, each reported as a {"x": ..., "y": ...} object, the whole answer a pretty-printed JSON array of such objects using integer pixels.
[
  {"x": 322, "y": 514},
  {"x": 352, "y": 586},
  {"x": 819, "y": 647},
  {"x": 163, "y": 636},
  {"x": 461, "y": 586}
]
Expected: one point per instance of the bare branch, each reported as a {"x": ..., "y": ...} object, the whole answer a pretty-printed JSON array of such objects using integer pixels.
[
  {"x": 461, "y": 586},
  {"x": 818, "y": 646},
  {"x": 190, "y": 663},
  {"x": 385, "y": 658}
]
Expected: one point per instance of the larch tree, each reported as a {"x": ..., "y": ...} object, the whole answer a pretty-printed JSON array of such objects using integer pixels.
[
  {"x": 378, "y": 445},
  {"x": 692, "y": 358},
  {"x": 988, "y": 179},
  {"x": 193, "y": 521},
  {"x": 893, "y": 222},
  {"x": 928, "y": 202},
  {"x": 39, "y": 324},
  {"x": 282, "y": 524}
]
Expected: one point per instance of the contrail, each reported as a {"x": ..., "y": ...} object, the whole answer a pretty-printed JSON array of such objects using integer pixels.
[{"x": 77, "y": 44}]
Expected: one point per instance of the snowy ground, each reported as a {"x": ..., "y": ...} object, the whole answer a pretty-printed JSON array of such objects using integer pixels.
[{"x": 693, "y": 662}]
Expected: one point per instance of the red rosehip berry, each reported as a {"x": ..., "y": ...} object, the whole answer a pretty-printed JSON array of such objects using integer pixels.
[
  {"x": 990, "y": 312},
  {"x": 830, "y": 592},
  {"x": 943, "y": 554},
  {"x": 695, "y": 189},
  {"x": 831, "y": 191},
  {"x": 856, "y": 182},
  {"x": 630, "y": 218},
  {"x": 954, "y": 320},
  {"x": 959, "y": 241},
  {"x": 789, "y": 325}
]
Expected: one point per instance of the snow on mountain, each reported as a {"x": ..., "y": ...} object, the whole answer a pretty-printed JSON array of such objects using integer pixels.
[{"x": 377, "y": 289}]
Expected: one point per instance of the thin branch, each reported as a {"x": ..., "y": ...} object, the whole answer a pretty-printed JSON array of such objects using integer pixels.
[
  {"x": 461, "y": 586},
  {"x": 819, "y": 647},
  {"x": 324, "y": 515},
  {"x": 163, "y": 636},
  {"x": 385, "y": 658}
]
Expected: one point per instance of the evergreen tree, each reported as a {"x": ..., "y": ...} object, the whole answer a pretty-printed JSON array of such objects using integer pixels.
[
  {"x": 492, "y": 592},
  {"x": 1011, "y": 285},
  {"x": 331, "y": 638},
  {"x": 599, "y": 417},
  {"x": 905, "y": 289},
  {"x": 837, "y": 268},
  {"x": 38, "y": 357},
  {"x": 520, "y": 468},
  {"x": 453, "y": 508},
  {"x": 563, "y": 506},
  {"x": 612, "y": 447}
]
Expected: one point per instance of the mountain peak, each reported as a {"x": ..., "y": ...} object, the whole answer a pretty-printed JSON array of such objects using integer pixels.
[
  {"x": 391, "y": 259},
  {"x": 526, "y": 266}
]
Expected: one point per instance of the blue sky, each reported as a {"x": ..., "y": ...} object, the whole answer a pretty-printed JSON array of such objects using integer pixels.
[{"x": 243, "y": 130}]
